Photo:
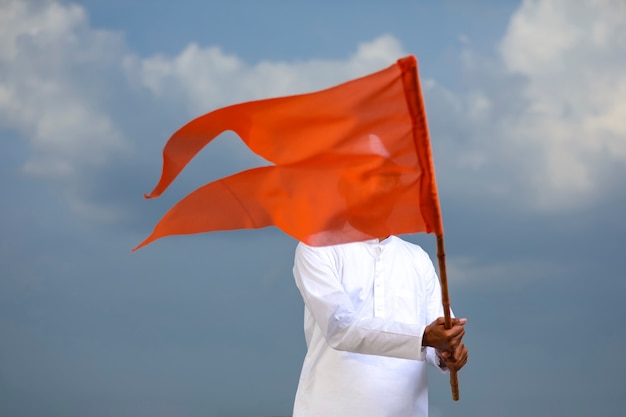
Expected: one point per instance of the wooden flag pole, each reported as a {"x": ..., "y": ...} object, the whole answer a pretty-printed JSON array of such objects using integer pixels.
[{"x": 445, "y": 299}]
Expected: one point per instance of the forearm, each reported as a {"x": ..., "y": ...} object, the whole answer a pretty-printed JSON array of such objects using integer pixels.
[{"x": 377, "y": 337}]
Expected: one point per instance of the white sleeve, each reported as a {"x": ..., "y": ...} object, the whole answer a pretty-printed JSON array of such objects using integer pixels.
[{"x": 334, "y": 313}]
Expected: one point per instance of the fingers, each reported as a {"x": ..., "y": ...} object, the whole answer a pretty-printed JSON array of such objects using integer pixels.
[
  {"x": 451, "y": 348},
  {"x": 456, "y": 332},
  {"x": 454, "y": 337},
  {"x": 458, "y": 359},
  {"x": 455, "y": 360},
  {"x": 455, "y": 321},
  {"x": 458, "y": 321},
  {"x": 437, "y": 336}
]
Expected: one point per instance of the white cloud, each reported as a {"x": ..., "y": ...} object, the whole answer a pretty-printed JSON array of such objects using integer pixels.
[
  {"x": 205, "y": 77},
  {"x": 545, "y": 126},
  {"x": 573, "y": 55},
  {"x": 60, "y": 90},
  {"x": 53, "y": 68},
  {"x": 45, "y": 93}
]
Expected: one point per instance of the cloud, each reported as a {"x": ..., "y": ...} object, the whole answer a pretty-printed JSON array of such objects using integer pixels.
[
  {"x": 541, "y": 127},
  {"x": 206, "y": 77},
  {"x": 544, "y": 125},
  {"x": 53, "y": 72},
  {"x": 66, "y": 89},
  {"x": 50, "y": 62},
  {"x": 572, "y": 54}
]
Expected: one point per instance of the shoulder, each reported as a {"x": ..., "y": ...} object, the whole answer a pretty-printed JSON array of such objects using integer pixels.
[
  {"x": 304, "y": 250},
  {"x": 412, "y": 248},
  {"x": 308, "y": 257},
  {"x": 414, "y": 255}
]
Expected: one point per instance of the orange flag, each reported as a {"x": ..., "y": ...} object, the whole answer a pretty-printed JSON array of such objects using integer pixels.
[{"x": 350, "y": 163}]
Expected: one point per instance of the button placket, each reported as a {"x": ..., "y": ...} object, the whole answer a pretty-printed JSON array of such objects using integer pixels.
[{"x": 379, "y": 286}]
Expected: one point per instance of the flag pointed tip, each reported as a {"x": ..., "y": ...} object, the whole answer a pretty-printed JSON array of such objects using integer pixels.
[
  {"x": 146, "y": 241},
  {"x": 153, "y": 194}
]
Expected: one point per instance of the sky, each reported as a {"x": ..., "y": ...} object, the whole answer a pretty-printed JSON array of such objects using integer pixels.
[{"x": 526, "y": 104}]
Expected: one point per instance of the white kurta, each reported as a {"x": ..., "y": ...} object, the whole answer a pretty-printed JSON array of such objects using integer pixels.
[{"x": 366, "y": 307}]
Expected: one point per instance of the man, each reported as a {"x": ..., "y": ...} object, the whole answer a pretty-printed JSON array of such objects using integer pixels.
[{"x": 372, "y": 320}]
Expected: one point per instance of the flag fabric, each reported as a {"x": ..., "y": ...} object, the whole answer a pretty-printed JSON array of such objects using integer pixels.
[{"x": 349, "y": 163}]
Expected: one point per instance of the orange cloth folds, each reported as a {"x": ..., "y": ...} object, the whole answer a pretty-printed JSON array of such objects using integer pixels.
[{"x": 351, "y": 163}]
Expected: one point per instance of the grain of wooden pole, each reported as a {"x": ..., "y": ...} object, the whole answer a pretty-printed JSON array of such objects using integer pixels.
[{"x": 445, "y": 299}]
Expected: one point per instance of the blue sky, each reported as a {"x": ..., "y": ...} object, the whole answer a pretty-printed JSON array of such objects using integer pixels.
[{"x": 526, "y": 107}]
